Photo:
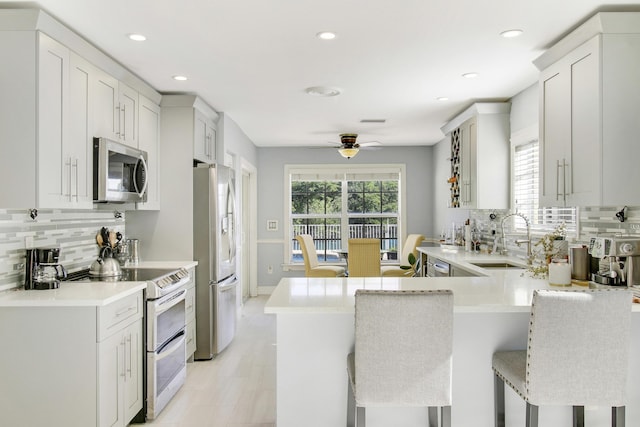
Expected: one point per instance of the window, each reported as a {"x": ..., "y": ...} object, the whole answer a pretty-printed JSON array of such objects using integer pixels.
[
  {"x": 335, "y": 203},
  {"x": 525, "y": 185}
]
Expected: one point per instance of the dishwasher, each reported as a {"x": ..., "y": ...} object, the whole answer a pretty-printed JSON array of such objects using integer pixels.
[{"x": 437, "y": 268}]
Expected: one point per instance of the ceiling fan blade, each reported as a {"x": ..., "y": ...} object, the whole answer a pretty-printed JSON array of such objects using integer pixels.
[
  {"x": 370, "y": 144},
  {"x": 371, "y": 147}
]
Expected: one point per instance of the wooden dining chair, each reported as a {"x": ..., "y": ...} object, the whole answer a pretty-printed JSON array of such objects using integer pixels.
[
  {"x": 312, "y": 267},
  {"x": 364, "y": 258}
]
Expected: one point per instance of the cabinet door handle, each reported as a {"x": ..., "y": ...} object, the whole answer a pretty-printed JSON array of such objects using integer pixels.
[
  {"x": 123, "y": 131},
  {"x": 121, "y": 351},
  {"x": 75, "y": 165},
  {"x": 119, "y": 119},
  {"x": 558, "y": 179},
  {"x": 69, "y": 180},
  {"x": 128, "y": 355}
]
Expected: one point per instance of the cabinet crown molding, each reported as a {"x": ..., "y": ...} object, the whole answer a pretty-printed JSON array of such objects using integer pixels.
[
  {"x": 600, "y": 23},
  {"x": 474, "y": 110},
  {"x": 39, "y": 20},
  {"x": 189, "y": 100}
]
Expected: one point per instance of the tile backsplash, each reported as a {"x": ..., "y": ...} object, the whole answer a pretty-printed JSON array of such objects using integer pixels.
[
  {"x": 592, "y": 221},
  {"x": 74, "y": 231}
]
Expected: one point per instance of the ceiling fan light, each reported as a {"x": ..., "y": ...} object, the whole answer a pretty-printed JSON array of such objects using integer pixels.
[{"x": 348, "y": 152}]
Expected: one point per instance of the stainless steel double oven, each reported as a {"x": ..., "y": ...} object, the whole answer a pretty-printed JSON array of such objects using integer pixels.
[
  {"x": 166, "y": 338},
  {"x": 165, "y": 317}
]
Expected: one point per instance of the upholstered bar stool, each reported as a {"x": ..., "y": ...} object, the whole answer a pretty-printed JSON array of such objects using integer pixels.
[
  {"x": 577, "y": 355},
  {"x": 403, "y": 353},
  {"x": 312, "y": 267}
]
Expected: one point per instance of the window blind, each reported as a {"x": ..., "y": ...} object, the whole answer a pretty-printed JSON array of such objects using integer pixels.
[{"x": 526, "y": 191}]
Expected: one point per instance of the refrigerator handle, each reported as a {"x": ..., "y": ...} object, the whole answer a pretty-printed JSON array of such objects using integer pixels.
[{"x": 232, "y": 226}]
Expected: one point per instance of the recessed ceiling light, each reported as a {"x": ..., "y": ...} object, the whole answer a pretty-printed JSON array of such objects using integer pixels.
[
  {"x": 326, "y": 35},
  {"x": 470, "y": 75},
  {"x": 511, "y": 33},
  {"x": 179, "y": 78},
  {"x": 137, "y": 37},
  {"x": 323, "y": 91},
  {"x": 442, "y": 98}
]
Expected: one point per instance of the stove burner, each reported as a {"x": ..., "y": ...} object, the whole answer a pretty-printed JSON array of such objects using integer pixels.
[{"x": 161, "y": 279}]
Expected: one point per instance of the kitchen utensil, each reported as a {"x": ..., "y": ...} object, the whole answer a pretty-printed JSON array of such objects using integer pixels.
[
  {"x": 105, "y": 265},
  {"x": 105, "y": 236},
  {"x": 112, "y": 239},
  {"x": 99, "y": 239}
]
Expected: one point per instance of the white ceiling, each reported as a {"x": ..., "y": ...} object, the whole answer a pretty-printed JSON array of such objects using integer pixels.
[{"x": 253, "y": 59}]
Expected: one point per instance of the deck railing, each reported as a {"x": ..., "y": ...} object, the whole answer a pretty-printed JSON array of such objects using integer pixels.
[{"x": 327, "y": 238}]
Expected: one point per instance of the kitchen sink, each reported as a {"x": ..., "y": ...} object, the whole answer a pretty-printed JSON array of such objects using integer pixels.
[{"x": 499, "y": 265}]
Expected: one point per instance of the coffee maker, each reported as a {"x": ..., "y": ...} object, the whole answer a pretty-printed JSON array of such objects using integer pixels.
[
  {"x": 620, "y": 260},
  {"x": 42, "y": 270}
]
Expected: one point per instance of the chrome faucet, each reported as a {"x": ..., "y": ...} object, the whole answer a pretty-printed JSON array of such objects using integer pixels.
[{"x": 518, "y": 242}]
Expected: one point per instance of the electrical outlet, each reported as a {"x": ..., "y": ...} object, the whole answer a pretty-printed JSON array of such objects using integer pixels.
[
  {"x": 28, "y": 242},
  {"x": 270, "y": 270}
]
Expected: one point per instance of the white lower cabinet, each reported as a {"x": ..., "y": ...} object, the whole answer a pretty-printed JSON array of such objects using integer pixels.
[
  {"x": 190, "y": 315},
  {"x": 72, "y": 365},
  {"x": 120, "y": 376}
]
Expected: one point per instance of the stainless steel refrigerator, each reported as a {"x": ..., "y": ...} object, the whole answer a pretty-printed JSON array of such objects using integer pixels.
[{"x": 214, "y": 248}]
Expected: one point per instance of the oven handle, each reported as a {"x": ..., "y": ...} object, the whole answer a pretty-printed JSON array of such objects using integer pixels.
[
  {"x": 166, "y": 304},
  {"x": 167, "y": 350}
]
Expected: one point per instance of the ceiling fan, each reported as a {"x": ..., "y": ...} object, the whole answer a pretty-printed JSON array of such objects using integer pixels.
[{"x": 348, "y": 147}]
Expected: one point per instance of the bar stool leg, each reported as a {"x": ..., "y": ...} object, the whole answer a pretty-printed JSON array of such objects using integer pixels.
[
  {"x": 578, "y": 416},
  {"x": 433, "y": 416},
  {"x": 351, "y": 406},
  {"x": 498, "y": 400},
  {"x": 360, "y": 416},
  {"x": 446, "y": 416},
  {"x": 617, "y": 416},
  {"x": 532, "y": 415}
]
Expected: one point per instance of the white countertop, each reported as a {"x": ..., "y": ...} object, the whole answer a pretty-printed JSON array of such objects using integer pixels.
[
  {"x": 497, "y": 291},
  {"x": 164, "y": 264},
  {"x": 84, "y": 294},
  {"x": 71, "y": 294}
]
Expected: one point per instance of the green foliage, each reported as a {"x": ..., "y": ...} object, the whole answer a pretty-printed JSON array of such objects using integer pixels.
[
  {"x": 540, "y": 259},
  {"x": 413, "y": 265}
]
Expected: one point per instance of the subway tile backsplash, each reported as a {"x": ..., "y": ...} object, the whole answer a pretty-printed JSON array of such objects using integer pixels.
[{"x": 74, "y": 231}]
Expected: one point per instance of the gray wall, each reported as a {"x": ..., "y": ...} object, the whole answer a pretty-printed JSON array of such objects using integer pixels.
[{"x": 271, "y": 204}]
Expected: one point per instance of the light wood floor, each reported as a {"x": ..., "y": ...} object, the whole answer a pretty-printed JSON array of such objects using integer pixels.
[{"x": 238, "y": 387}]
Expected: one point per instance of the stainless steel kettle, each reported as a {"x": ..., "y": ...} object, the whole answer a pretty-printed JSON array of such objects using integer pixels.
[{"x": 105, "y": 265}]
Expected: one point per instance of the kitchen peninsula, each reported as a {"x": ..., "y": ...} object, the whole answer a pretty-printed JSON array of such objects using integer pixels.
[{"x": 315, "y": 332}]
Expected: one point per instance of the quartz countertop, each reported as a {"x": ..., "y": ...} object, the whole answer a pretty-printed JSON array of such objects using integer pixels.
[
  {"x": 71, "y": 294},
  {"x": 83, "y": 294},
  {"x": 492, "y": 291},
  {"x": 164, "y": 264}
]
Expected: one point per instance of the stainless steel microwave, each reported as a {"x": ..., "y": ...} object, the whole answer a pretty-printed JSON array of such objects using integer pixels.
[{"x": 119, "y": 172}]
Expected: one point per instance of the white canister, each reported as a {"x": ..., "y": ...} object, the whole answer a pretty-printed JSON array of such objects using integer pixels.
[{"x": 559, "y": 272}]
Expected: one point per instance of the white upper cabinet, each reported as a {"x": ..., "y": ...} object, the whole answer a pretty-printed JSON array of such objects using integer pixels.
[
  {"x": 480, "y": 157},
  {"x": 589, "y": 99},
  {"x": 194, "y": 122},
  {"x": 80, "y": 130},
  {"x": 116, "y": 110},
  {"x": 149, "y": 141},
  {"x": 204, "y": 143},
  {"x": 54, "y": 101},
  {"x": 45, "y": 150}
]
